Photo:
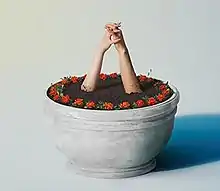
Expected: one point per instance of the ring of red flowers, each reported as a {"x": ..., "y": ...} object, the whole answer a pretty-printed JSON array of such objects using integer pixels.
[{"x": 56, "y": 93}]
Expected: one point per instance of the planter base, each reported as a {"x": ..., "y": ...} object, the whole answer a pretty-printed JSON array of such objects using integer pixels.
[{"x": 113, "y": 173}]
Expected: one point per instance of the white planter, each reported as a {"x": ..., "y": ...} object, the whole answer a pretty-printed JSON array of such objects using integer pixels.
[{"x": 113, "y": 144}]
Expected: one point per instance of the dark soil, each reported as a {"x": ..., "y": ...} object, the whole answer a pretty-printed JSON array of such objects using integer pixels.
[{"x": 113, "y": 91}]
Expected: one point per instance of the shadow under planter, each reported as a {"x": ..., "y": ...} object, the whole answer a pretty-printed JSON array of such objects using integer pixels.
[
  {"x": 113, "y": 144},
  {"x": 195, "y": 141}
]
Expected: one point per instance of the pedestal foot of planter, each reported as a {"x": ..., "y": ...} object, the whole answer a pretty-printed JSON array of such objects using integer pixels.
[{"x": 113, "y": 173}]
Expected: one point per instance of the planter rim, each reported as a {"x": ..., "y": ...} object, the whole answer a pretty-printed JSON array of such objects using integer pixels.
[{"x": 175, "y": 97}]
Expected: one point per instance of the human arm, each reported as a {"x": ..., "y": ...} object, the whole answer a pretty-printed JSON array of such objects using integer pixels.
[
  {"x": 90, "y": 82},
  {"x": 128, "y": 75}
]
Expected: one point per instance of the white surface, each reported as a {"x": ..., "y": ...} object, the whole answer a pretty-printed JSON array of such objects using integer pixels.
[
  {"x": 114, "y": 144},
  {"x": 44, "y": 40}
]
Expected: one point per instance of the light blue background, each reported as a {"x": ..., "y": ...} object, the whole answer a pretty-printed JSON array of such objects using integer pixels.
[{"x": 41, "y": 41}]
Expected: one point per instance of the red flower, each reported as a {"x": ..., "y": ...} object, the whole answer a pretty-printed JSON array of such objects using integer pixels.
[
  {"x": 160, "y": 97},
  {"x": 113, "y": 75},
  {"x": 151, "y": 101},
  {"x": 78, "y": 102},
  {"x": 56, "y": 97},
  {"x": 166, "y": 92},
  {"x": 108, "y": 106},
  {"x": 53, "y": 91},
  {"x": 65, "y": 99},
  {"x": 124, "y": 104},
  {"x": 140, "y": 103},
  {"x": 90, "y": 104},
  {"x": 103, "y": 76},
  {"x": 142, "y": 78},
  {"x": 74, "y": 79},
  {"x": 52, "y": 88},
  {"x": 162, "y": 87},
  {"x": 64, "y": 81}
]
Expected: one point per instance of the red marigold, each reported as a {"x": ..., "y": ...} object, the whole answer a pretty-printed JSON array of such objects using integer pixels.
[
  {"x": 103, "y": 76},
  {"x": 74, "y": 79},
  {"x": 53, "y": 92},
  {"x": 162, "y": 87},
  {"x": 64, "y": 81},
  {"x": 56, "y": 97},
  {"x": 65, "y": 99},
  {"x": 166, "y": 92},
  {"x": 78, "y": 102},
  {"x": 151, "y": 101},
  {"x": 142, "y": 78},
  {"x": 90, "y": 104},
  {"x": 124, "y": 104},
  {"x": 113, "y": 75},
  {"x": 140, "y": 103},
  {"x": 108, "y": 106},
  {"x": 52, "y": 88},
  {"x": 160, "y": 97}
]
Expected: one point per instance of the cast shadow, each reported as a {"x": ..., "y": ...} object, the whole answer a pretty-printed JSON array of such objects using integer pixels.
[{"x": 195, "y": 141}]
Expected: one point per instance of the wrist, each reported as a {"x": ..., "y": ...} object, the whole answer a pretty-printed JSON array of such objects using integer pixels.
[
  {"x": 101, "y": 49},
  {"x": 121, "y": 48}
]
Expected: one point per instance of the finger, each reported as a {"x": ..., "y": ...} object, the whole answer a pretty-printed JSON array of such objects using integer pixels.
[
  {"x": 116, "y": 40},
  {"x": 110, "y": 29},
  {"x": 112, "y": 32},
  {"x": 116, "y": 30},
  {"x": 114, "y": 37},
  {"x": 109, "y": 32},
  {"x": 113, "y": 26},
  {"x": 117, "y": 35},
  {"x": 109, "y": 26},
  {"x": 107, "y": 29},
  {"x": 109, "y": 35}
]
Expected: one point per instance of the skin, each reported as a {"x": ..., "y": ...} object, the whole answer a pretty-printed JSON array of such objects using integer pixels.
[
  {"x": 128, "y": 75},
  {"x": 113, "y": 35},
  {"x": 90, "y": 82}
]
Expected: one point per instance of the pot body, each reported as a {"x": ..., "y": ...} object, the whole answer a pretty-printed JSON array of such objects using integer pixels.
[{"x": 113, "y": 144}]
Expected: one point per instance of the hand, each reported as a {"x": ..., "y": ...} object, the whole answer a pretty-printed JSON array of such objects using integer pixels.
[
  {"x": 108, "y": 39},
  {"x": 116, "y": 35}
]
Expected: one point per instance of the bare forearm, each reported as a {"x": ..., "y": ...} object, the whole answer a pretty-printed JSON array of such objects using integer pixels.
[
  {"x": 128, "y": 75},
  {"x": 92, "y": 77},
  {"x": 96, "y": 65},
  {"x": 125, "y": 62}
]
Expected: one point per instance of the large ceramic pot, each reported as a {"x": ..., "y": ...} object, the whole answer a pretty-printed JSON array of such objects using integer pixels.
[{"x": 113, "y": 144}]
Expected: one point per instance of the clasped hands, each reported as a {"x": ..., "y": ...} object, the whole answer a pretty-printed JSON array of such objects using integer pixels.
[{"x": 113, "y": 35}]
